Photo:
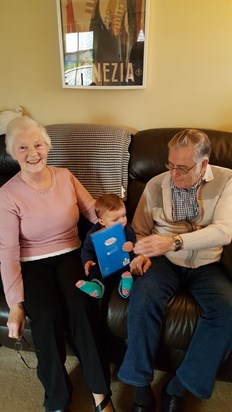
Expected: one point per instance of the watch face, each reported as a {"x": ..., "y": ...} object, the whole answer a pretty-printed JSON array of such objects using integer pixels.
[{"x": 177, "y": 244}]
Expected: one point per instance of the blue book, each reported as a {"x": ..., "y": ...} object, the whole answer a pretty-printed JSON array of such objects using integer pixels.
[{"x": 108, "y": 244}]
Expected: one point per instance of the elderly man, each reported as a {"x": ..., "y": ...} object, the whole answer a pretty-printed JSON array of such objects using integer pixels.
[{"x": 182, "y": 222}]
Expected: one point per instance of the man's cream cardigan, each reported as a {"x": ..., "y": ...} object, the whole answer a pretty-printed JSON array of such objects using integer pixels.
[{"x": 205, "y": 236}]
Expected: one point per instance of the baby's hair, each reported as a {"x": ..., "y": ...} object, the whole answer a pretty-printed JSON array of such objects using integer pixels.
[{"x": 108, "y": 202}]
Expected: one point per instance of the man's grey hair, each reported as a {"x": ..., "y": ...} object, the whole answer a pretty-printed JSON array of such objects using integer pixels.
[{"x": 193, "y": 137}]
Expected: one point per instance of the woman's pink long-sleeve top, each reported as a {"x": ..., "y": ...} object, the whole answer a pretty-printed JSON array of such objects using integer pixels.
[{"x": 35, "y": 224}]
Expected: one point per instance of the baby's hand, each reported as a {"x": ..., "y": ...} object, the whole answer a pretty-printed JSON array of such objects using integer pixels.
[
  {"x": 88, "y": 265},
  {"x": 128, "y": 246}
]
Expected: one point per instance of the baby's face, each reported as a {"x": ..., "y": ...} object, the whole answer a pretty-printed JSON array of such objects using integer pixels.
[{"x": 111, "y": 217}]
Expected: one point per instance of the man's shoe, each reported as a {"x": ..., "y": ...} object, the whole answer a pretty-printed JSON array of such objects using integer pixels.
[
  {"x": 171, "y": 403},
  {"x": 150, "y": 408}
]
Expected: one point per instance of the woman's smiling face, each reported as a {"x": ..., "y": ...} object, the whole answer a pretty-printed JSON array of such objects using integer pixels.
[{"x": 30, "y": 150}]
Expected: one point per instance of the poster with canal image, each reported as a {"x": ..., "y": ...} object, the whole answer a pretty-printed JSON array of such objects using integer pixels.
[{"x": 103, "y": 43}]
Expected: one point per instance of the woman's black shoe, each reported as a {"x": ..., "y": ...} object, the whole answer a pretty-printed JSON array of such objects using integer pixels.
[{"x": 104, "y": 403}]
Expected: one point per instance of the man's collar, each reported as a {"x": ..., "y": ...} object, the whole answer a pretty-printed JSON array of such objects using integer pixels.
[
  {"x": 208, "y": 175},
  {"x": 195, "y": 186}
]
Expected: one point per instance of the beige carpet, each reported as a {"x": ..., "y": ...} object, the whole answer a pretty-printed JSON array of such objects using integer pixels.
[{"x": 20, "y": 390}]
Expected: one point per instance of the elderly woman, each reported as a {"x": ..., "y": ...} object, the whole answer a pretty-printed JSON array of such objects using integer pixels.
[{"x": 40, "y": 264}]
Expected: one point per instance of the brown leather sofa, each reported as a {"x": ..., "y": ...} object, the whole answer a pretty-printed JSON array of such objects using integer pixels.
[{"x": 148, "y": 155}]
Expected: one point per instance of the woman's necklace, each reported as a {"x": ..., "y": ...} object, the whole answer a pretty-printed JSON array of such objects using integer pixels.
[{"x": 42, "y": 191}]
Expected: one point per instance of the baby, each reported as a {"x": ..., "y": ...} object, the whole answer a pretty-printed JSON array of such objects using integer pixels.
[{"x": 110, "y": 209}]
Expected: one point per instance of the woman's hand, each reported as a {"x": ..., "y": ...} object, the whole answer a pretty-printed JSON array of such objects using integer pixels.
[
  {"x": 16, "y": 321},
  {"x": 154, "y": 245},
  {"x": 139, "y": 265}
]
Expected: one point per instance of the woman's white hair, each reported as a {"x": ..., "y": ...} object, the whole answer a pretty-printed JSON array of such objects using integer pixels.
[{"x": 18, "y": 126}]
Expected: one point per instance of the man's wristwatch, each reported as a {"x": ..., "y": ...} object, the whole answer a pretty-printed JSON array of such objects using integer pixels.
[{"x": 177, "y": 243}]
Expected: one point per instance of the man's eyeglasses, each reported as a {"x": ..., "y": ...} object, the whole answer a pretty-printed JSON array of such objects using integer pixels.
[
  {"x": 18, "y": 348},
  {"x": 179, "y": 169}
]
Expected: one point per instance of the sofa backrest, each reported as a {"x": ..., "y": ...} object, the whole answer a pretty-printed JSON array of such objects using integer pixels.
[{"x": 148, "y": 155}]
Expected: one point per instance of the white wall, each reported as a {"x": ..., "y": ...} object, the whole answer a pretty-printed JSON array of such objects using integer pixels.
[{"x": 189, "y": 77}]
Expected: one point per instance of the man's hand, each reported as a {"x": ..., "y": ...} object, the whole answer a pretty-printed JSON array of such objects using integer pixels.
[
  {"x": 139, "y": 265},
  {"x": 88, "y": 265},
  {"x": 154, "y": 245},
  {"x": 16, "y": 321}
]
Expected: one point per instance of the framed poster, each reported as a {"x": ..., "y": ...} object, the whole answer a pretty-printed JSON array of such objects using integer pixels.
[{"x": 103, "y": 43}]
